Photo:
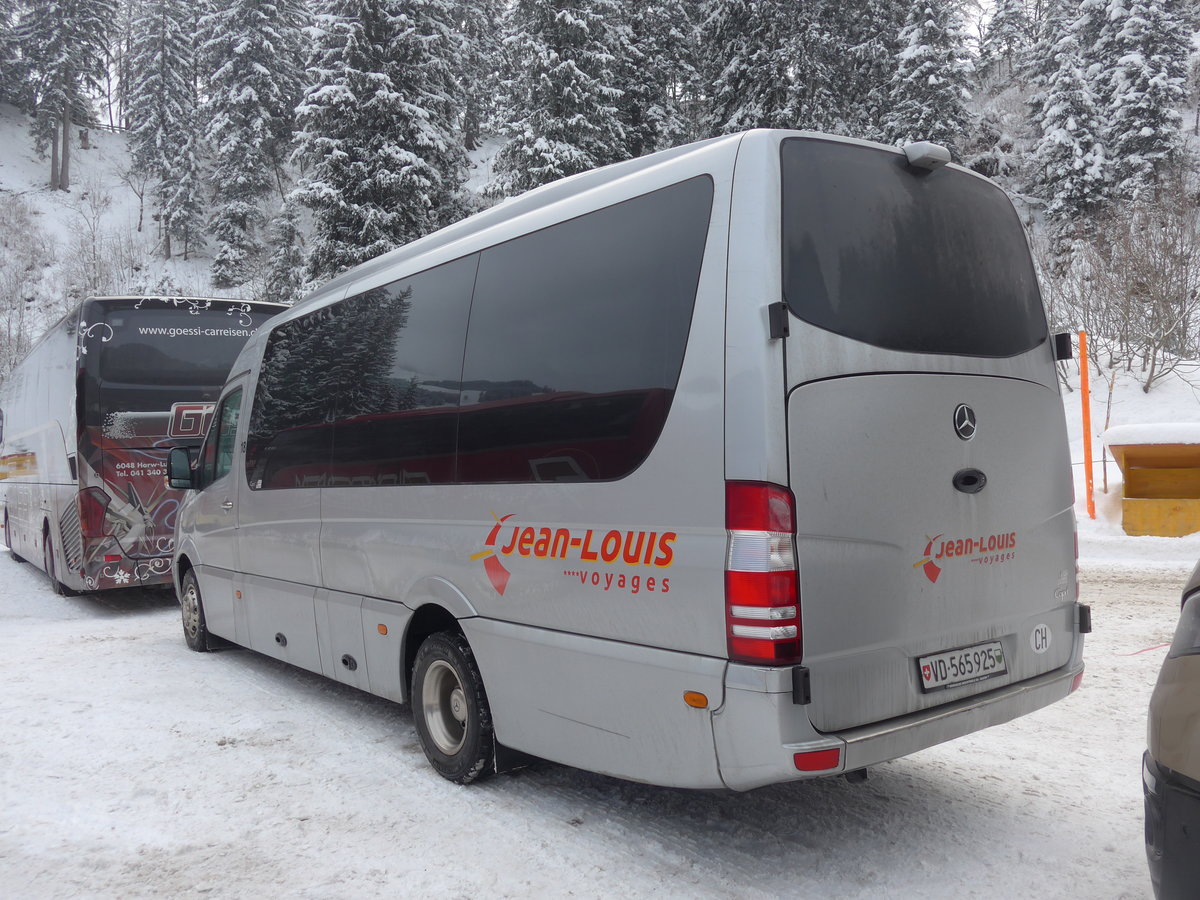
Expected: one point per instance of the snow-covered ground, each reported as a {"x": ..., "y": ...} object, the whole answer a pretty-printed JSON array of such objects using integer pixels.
[{"x": 132, "y": 767}]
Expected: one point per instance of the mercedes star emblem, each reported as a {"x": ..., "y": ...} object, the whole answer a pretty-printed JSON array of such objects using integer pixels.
[{"x": 964, "y": 421}]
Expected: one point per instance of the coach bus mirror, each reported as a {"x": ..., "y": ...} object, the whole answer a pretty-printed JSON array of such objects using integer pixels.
[
  {"x": 1062, "y": 346},
  {"x": 179, "y": 469}
]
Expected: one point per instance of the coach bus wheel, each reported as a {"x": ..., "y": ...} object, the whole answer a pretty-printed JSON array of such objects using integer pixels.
[
  {"x": 195, "y": 629},
  {"x": 8, "y": 539},
  {"x": 48, "y": 563},
  {"x": 450, "y": 708}
]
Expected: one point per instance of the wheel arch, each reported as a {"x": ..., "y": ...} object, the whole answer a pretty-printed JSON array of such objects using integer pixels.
[
  {"x": 430, "y": 618},
  {"x": 47, "y": 534},
  {"x": 438, "y": 606},
  {"x": 183, "y": 565}
]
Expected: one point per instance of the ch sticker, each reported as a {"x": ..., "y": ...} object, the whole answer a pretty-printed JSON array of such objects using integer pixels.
[{"x": 1039, "y": 639}]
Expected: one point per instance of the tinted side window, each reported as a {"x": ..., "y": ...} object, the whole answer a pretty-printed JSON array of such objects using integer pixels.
[
  {"x": 289, "y": 438},
  {"x": 925, "y": 262},
  {"x": 397, "y": 380},
  {"x": 576, "y": 340},
  {"x": 227, "y": 419}
]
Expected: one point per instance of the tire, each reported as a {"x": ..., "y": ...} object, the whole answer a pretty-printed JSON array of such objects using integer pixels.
[
  {"x": 51, "y": 571},
  {"x": 195, "y": 628},
  {"x": 450, "y": 709},
  {"x": 9, "y": 541}
]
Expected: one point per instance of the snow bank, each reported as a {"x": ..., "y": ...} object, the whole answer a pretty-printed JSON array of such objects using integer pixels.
[{"x": 1160, "y": 433}]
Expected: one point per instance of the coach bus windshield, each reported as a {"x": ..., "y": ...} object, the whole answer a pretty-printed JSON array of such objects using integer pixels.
[{"x": 141, "y": 357}]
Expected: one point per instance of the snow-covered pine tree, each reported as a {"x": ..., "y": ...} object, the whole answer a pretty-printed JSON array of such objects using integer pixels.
[
  {"x": 12, "y": 76},
  {"x": 820, "y": 52},
  {"x": 930, "y": 88},
  {"x": 657, "y": 74},
  {"x": 162, "y": 106},
  {"x": 252, "y": 51},
  {"x": 426, "y": 68},
  {"x": 748, "y": 61},
  {"x": 120, "y": 48},
  {"x": 478, "y": 70},
  {"x": 376, "y": 129},
  {"x": 1070, "y": 170},
  {"x": 1089, "y": 20},
  {"x": 285, "y": 269},
  {"x": 561, "y": 93},
  {"x": 1147, "y": 79},
  {"x": 63, "y": 44},
  {"x": 1193, "y": 87},
  {"x": 184, "y": 210},
  {"x": 1007, "y": 36},
  {"x": 1040, "y": 61},
  {"x": 778, "y": 64},
  {"x": 869, "y": 31}
]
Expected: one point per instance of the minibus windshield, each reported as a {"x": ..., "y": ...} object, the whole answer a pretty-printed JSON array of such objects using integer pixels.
[{"x": 902, "y": 258}]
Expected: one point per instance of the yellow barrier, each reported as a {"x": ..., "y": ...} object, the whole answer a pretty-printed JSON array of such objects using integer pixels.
[{"x": 1162, "y": 488}]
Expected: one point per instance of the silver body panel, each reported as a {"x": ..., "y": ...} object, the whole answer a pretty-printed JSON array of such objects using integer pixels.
[
  {"x": 40, "y": 424},
  {"x": 864, "y": 528},
  {"x": 586, "y": 662}
]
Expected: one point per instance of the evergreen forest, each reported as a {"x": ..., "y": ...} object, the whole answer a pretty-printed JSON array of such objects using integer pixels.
[{"x": 280, "y": 142}]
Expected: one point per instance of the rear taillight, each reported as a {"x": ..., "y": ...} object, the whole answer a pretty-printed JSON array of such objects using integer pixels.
[
  {"x": 93, "y": 507},
  {"x": 762, "y": 595}
]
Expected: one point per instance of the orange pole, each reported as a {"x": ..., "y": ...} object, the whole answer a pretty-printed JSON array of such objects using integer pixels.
[{"x": 1086, "y": 391}]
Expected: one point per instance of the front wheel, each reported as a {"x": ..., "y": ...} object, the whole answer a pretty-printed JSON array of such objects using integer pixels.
[
  {"x": 450, "y": 709},
  {"x": 8, "y": 539},
  {"x": 195, "y": 629}
]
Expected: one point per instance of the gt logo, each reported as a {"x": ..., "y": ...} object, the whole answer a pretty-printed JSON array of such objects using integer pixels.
[{"x": 190, "y": 420}]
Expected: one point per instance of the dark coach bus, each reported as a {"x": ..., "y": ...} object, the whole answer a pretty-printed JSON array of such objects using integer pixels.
[{"x": 88, "y": 418}]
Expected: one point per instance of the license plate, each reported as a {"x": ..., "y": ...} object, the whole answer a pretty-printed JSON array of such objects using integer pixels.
[{"x": 964, "y": 666}]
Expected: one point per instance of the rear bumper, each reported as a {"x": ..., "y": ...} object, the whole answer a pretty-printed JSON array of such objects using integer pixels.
[
  {"x": 1172, "y": 830},
  {"x": 759, "y": 730},
  {"x": 129, "y": 572}
]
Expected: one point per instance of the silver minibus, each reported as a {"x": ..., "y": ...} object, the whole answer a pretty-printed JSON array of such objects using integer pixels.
[{"x": 735, "y": 464}]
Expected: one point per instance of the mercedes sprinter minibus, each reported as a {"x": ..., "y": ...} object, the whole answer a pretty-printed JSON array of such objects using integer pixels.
[{"x": 735, "y": 464}]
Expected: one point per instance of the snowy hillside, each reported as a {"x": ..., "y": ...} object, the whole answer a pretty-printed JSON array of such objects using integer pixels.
[
  {"x": 101, "y": 212},
  {"x": 98, "y": 220}
]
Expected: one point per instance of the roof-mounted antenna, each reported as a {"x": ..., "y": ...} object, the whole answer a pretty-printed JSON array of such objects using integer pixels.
[{"x": 926, "y": 155}]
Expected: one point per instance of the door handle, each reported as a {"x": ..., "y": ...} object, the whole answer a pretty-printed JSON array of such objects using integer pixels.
[{"x": 227, "y": 505}]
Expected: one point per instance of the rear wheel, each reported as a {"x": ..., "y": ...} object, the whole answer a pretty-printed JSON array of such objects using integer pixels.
[
  {"x": 450, "y": 709},
  {"x": 8, "y": 539},
  {"x": 51, "y": 569},
  {"x": 195, "y": 629}
]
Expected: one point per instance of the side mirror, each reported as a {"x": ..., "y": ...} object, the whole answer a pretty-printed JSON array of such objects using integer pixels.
[
  {"x": 179, "y": 469},
  {"x": 1062, "y": 346}
]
